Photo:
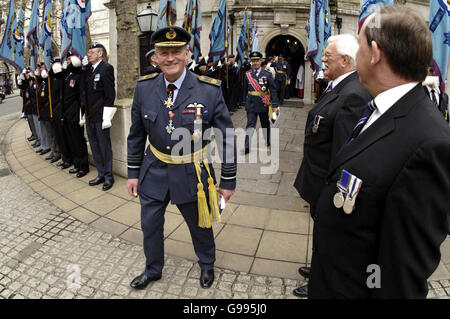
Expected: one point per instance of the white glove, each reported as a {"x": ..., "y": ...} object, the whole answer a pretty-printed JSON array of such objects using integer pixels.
[
  {"x": 82, "y": 119},
  {"x": 108, "y": 115},
  {"x": 19, "y": 82},
  {"x": 44, "y": 74},
  {"x": 22, "y": 76},
  {"x": 57, "y": 68},
  {"x": 76, "y": 62},
  {"x": 64, "y": 65},
  {"x": 24, "y": 71},
  {"x": 36, "y": 72},
  {"x": 85, "y": 61}
]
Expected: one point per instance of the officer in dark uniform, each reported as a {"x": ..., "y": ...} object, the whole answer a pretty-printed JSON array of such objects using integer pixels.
[
  {"x": 99, "y": 94},
  {"x": 71, "y": 114},
  {"x": 23, "y": 83},
  {"x": 259, "y": 89},
  {"x": 45, "y": 111},
  {"x": 177, "y": 101},
  {"x": 153, "y": 65},
  {"x": 283, "y": 73}
]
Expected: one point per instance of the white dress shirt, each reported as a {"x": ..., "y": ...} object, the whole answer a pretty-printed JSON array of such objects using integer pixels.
[{"x": 177, "y": 83}]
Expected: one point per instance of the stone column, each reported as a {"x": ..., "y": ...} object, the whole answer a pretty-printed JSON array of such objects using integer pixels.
[{"x": 309, "y": 84}]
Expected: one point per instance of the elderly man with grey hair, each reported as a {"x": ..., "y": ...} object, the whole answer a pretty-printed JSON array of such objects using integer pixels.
[{"x": 330, "y": 123}]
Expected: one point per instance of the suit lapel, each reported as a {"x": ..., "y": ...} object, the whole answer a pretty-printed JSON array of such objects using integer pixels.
[{"x": 384, "y": 126}]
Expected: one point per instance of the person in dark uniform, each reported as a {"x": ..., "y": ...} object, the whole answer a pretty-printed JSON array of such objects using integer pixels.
[
  {"x": 153, "y": 65},
  {"x": 382, "y": 214},
  {"x": 330, "y": 123},
  {"x": 22, "y": 84},
  {"x": 99, "y": 96},
  {"x": 72, "y": 87},
  {"x": 56, "y": 80},
  {"x": 45, "y": 111},
  {"x": 440, "y": 99},
  {"x": 165, "y": 106},
  {"x": 283, "y": 73},
  {"x": 33, "y": 93},
  {"x": 260, "y": 91}
]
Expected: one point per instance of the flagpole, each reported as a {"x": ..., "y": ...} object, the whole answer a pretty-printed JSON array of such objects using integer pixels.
[
  {"x": 226, "y": 40},
  {"x": 50, "y": 96}
]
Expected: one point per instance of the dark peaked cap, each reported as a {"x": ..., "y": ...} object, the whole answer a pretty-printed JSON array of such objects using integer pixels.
[{"x": 172, "y": 36}]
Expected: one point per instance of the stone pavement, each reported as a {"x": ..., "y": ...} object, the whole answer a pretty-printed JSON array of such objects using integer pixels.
[{"x": 53, "y": 226}]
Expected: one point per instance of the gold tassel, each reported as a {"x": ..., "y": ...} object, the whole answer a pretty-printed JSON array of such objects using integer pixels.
[
  {"x": 270, "y": 112},
  {"x": 213, "y": 202},
  {"x": 204, "y": 220}
]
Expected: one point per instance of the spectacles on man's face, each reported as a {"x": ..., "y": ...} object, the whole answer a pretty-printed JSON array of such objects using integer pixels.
[{"x": 327, "y": 54}]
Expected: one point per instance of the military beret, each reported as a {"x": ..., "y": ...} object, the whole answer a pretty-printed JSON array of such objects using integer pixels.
[
  {"x": 96, "y": 45},
  {"x": 69, "y": 53},
  {"x": 231, "y": 56},
  {"x": 149, "y": 53},
  {"x": 172, "y": 36},
  {"x": 256, "y": 55},
  {"x": 55, "y": 59}
]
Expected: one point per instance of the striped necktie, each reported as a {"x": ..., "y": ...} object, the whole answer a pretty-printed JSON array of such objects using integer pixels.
[
  {"x": 370, "y": 108},
  {"x": 329, "y": 88},
  {"x": 433, "y": 97}
]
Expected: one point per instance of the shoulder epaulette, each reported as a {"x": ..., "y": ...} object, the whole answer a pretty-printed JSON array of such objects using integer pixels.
[
  {"x": 209, "y": 80},
  {"x": 148, "y": 77}
]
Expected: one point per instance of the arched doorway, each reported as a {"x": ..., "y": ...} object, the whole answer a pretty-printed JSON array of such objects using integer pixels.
[{"x": 293, "y": 50}]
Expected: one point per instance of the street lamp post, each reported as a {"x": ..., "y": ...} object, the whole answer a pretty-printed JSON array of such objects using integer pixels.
[{"x": 147, "y": 21}]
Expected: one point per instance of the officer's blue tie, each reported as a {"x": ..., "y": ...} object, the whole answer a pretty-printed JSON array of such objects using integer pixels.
[
  {"x": 370, "y": 107},
  {"x": 433, "y": 97}
]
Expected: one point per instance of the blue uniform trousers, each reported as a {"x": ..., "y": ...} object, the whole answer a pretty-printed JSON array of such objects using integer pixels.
[
  {"x": 100, "y": 142},
  {"x": 251, "y": 126},
  {"x": 152, "y": 224}
]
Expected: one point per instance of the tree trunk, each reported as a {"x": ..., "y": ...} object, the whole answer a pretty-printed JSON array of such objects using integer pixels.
[{"x": 127, "y": 48}]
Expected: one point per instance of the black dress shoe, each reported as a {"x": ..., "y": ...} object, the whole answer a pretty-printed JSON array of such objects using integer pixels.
[
  {"x": 39, "y": 151},
  {"x": 82, "y": 174},
  {"x": 37, "y": 144},
  {"x": 142, "y": 281},
  {"x": 74, "y": 171},
  {"x": 97, "y": 181},
  {"x": 49, "y": 157},
  {"x": 60, "y": 164},
  {"x": 206, "y": 278},
  {"x": 66, "y": 165},
  {"x": 305, "y": 272},
  {"x": 301, "y": 292},
  {"x": 108, "y": 185},
  {"x": 31, "y": 138},
  {"x": 55, "y": 159},
  {"x": 43, "y": 152}
]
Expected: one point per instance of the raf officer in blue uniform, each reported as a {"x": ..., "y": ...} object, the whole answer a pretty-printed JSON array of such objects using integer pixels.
[
  {"x": 178, "y": 101},
  {"x": 260, "y": 91},
  {"x": 283, "y": 73}
]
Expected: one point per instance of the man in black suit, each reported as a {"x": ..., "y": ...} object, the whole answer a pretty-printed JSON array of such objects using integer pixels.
[
  {"x": 71, "y": 96},
  {"x": 330, "y": 123},
  {"x": 431, "y": 88},
  {"x": 99, "y": 100},
  {"x": 393, "y": 174}
]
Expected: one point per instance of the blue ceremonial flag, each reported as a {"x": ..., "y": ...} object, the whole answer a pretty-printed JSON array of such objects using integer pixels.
[
  {"x": 46, "y": 33},
  {"x": 242, "y": 45},
  {"x": 193, "y": 24},
  {"x": 73, "y": 26},
  {"x": 167, "y": 15},
  {"x": 319, "y": 30},
  {"x": 219, "y": 33},
  {"x": 368, "y": 7},
  {"x": 33, "y": 35},
  {"x": 19, "y": 39},
  {"x": 440, "y": 33},
  {"x": 11, "y": 49}
]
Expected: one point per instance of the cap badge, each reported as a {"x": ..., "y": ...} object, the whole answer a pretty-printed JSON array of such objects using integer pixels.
[{"x": 171, "y": 34}]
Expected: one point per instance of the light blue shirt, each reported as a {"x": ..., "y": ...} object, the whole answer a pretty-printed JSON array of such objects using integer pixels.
[{"x": 177, "y": 83}]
